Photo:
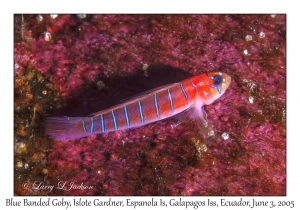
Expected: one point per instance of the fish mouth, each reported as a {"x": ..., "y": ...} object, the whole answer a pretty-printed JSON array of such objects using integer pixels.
[
  {"x": 228, "y": 81},
  {"x": 229, "y": 77}
]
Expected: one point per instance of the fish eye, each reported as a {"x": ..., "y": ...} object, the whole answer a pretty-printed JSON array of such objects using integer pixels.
[{"x": 218, "y": 80}]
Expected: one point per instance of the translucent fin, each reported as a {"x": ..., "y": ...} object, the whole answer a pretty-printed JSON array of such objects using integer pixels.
[
  {"x": 200, "y": 115},
  {"x": 194, "y": 113},
  {"x": 183, "y": 117},
  {"x": 64, "y": 128},
  {"x": 134, "y": 99},
  {"x": 144, "y": 93}
]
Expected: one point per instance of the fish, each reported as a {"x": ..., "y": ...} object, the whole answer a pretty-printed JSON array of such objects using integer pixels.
[{"x": 158, "y": 104}]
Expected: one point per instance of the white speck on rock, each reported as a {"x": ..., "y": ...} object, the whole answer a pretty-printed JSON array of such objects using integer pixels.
[
  {"x": 211, "y": 133},
  {"x": 39, "y": 18},
  {"x": 248, "y": 38},
  {"x": 53, "y": 16},
  {"x": 251, "y": 99},
  {"x": 262, "y": 35},
  {"x": 81, "y": 16},
  {"x": 47, "y": 36},
  {"x": 225, "y": 136}
]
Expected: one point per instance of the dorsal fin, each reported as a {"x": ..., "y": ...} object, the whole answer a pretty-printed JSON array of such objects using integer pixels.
[
  {"x": 135, "y": 98},
  {"x": 144, "y": 93}
]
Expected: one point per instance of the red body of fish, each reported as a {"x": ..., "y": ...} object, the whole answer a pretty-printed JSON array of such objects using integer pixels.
[{"x": 161, "y": 103}]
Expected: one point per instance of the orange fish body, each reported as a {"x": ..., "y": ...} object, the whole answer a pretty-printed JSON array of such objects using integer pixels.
[{"x": 158, "y": 104}]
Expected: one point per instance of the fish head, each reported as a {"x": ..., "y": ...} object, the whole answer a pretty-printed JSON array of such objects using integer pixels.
[{"x": 212, "y": 86}]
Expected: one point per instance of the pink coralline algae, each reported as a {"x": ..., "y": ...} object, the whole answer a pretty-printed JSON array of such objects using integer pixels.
[{"x": 77, "y": 65}]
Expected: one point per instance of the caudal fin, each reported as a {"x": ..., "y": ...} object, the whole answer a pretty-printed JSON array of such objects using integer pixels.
[{"x": 65, "y": 128}]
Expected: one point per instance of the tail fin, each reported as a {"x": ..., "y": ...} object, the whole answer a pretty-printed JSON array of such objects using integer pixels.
[{"x": 65, "y": 128}]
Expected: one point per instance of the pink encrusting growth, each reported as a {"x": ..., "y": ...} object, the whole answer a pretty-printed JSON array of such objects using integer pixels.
[
  {"x": 90, "y": 64},
  {"x": 156, "y": 105}
]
